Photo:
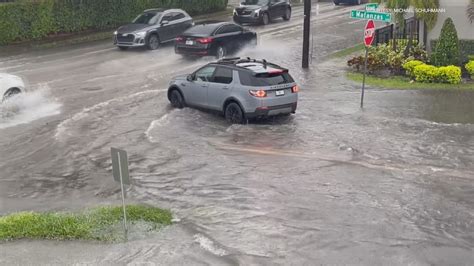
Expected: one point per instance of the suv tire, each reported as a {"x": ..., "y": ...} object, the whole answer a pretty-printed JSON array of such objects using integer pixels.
[
  {"x": 234, "y": 114},
  {"x": 287, "y": 15},
  {"x": 176, "y": 99},
  {"x": 153, "y": 42},
  {"x": 220, "y": 52},
  {"x": 265, "y": 19}
]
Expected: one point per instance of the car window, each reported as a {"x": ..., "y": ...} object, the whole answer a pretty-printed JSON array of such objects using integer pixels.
[
  {"x": 178, "y": 15},
  {"x": 229, "y": 29},
  {"x": 264, "y": 79},
  {"x": 222, "y": 75},
  {"x": 147, "y": 18},
  {"x": 205, "y": 74},
  {"x": 168, "y": 17}
]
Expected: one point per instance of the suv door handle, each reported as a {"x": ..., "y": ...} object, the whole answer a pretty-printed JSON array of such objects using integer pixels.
[{"x": 225, "y": 88}]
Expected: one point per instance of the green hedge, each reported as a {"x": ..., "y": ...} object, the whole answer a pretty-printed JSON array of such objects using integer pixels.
[
  {"x": 465, "y": 46},
  {"x": 31, "y": 20}
]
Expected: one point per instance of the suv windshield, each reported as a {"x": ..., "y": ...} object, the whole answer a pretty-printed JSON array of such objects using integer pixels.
[
  {"x": 147, "y": 18},
  {"x": 254, "y": 2}
]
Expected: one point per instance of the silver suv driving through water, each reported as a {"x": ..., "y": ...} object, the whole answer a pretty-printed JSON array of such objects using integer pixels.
[{"x": 241, "y": 89}]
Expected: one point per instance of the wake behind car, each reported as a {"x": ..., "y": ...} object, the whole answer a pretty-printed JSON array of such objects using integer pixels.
[
  {"x": 241, "y": 89},
  {"x": 215, "y": 39},
  {"x": 153, "y": 27},
  {"x": 262, "y": 11},
  {"x": 10, "y": 85}
]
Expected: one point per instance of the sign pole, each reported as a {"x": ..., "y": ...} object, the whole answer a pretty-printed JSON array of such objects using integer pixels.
[
  {"x": 306, "y": 33},
  {"x": 363, "y": 79},
  {"x": 369, "y": 36},
  {"x": 123, "y": 198}
]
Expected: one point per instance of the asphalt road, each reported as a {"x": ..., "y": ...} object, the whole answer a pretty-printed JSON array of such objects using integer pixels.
[{"x": 333, "y": 184}]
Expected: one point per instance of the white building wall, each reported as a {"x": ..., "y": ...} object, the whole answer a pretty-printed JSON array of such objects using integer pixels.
[{"x": 456, "y": 10}]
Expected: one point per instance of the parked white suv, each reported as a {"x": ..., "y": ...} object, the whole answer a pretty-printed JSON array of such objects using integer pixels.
[{"x": 10, "y": 85}]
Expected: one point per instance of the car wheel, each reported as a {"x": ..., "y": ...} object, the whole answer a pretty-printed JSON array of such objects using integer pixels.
[
  {"x": 220, "y": 52},
  {"x": 265, "y": 19},
  {"x": 11, "y": 92},
  {"x": 233, "y": 114},
  {"x": 287, "y": 15},
  {"x": 123, "y": 48},
  {"x": 176, "y": 99},
  {"x": 153, "y": 42},
  {"x": 336, "y": 3}
]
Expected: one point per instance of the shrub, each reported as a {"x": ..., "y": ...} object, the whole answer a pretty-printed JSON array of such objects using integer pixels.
[
  {"x": 470, "y": 68},
  {"x": 447, "y": 48},
  {"x": 30, "y": 20},
  {"x": 410, "y": 65},
  {"x": 384, "y": 57},
  {"x": 449, "y": 74},
  {"x": 428, "y": 73}
]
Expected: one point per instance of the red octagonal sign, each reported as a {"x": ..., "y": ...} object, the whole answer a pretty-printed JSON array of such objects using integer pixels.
[{"x": 369, "y": 33}]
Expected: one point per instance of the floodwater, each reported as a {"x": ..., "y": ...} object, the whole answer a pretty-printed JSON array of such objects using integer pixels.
[{"x": 334, "y": 184}]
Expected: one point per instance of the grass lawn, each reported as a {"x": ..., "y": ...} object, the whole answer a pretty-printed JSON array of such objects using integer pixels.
[
  {"x": 92, "y": 224},
  {"x": 347, "y": 51},
  {"x": 399, "y": 82}
]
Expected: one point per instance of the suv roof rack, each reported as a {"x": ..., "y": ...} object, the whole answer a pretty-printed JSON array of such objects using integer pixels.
[{"x": 238, "y": 60}]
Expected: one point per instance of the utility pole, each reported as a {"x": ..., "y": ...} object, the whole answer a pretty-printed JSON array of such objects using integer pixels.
[{"x": 306, "y": 32}]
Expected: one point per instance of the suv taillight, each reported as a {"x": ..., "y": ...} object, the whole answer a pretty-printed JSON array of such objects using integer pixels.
[
  {"x": 204, "y": 40},
  {"x": 179, "y": 39},
  {"x": 295, "y": 89},
  {"x": 258, "y": 93}
]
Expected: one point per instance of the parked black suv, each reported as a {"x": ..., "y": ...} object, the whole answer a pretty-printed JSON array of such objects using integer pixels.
[
  {"x": 262, "y": 11},
  {"x": 152, "y": 27}
]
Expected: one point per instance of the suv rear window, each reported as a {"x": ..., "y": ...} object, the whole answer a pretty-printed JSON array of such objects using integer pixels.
[{"x": 264, "y": 79}]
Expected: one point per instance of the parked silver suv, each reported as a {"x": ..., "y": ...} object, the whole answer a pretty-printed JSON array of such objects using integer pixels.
[{"x": 241, "y": 89}]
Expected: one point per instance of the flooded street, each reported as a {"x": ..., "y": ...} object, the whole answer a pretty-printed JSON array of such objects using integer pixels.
[{"x": 390, "y": 184}]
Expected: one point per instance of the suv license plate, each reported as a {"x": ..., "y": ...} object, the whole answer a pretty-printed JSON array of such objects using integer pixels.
[
  {"x": 189, "y": 42},
  {"x": 280, "y": 93}
]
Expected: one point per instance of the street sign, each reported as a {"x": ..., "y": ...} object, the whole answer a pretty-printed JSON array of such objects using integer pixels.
[
  {"x": 371, "y": 7},
  {"x": 120, "y": 166},
  {"x": 120, "y": 173},
  {"x": 369, "y": 33},
  {"x": 378, "y": 16}
]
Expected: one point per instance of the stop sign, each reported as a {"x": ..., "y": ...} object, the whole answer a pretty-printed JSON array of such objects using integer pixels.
[{"x": 369, "y": 33}]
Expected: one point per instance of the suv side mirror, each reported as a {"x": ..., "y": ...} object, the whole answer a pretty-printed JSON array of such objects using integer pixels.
[
  {"x": 164, "y": 22},
  {"x": 190, "y": 77}
]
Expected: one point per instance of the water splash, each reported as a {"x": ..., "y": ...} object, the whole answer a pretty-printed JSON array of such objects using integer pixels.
[{"x": 27, "y": 107}]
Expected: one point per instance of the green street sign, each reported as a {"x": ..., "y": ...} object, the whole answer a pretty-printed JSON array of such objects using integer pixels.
[
  {"x": 371, "y": 7},
  {"x": 378, "y": 16}
]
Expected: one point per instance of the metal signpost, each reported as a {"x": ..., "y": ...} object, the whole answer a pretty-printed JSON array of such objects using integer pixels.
[
  {"x": 121, "y": 175},
  {"x": 369, "y": 36}
]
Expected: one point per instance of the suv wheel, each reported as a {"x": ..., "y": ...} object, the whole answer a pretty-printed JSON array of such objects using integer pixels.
[
  {"x": 287, "y": 15},
  {"x": 220, "y": 52},
  {"x": 265, "y": 19},
  {"x": 234, "y": 114},
  {"x": 176, "y": 99},
  {"x": 153, "y": 42}
]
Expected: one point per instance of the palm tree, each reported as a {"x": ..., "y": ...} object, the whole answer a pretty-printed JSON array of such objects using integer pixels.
[
  {"x": 428, "y": 17},
  {"x": 470, "y": 11}
]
